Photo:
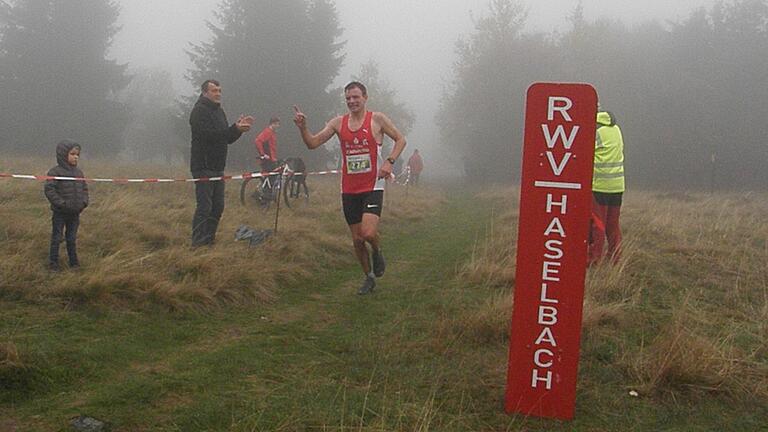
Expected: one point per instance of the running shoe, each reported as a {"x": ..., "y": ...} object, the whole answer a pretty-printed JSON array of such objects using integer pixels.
[{"x": 368, "y": 286}]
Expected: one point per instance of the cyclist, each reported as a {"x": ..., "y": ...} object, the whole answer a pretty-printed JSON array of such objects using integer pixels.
[
  {"x": 360, "y": 133},
  {"x": 266, "y": 146}
]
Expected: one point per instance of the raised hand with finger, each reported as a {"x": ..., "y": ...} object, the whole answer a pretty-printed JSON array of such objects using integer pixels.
[{"x": 299, "y": 118}]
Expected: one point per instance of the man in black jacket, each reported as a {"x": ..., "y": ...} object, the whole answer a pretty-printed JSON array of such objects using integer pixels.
[{"x": 211, "y": 134}]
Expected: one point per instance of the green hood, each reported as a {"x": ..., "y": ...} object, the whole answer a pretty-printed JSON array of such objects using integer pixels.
[{"x": 605, "y": 118}]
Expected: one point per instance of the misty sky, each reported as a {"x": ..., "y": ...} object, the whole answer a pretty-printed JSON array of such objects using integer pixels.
[{"x": 412, "y": 41}]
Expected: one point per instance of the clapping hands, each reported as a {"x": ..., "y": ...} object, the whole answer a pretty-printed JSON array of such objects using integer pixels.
[{"x": 244, "y": 123}]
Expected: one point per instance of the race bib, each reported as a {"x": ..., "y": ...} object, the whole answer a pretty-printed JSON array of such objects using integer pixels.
[{"x": 359, "y": 164}]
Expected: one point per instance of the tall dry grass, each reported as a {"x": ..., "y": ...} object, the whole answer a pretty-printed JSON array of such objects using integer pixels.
[
  {"x": 134, "y": 241},
  {"x": 9, "y": 355},
  {"x": 492, "y": 259},
  {"x": 705, "y": 256},
  {"x": 687, "y": 305},
  {"x": 684, "y": 355}
]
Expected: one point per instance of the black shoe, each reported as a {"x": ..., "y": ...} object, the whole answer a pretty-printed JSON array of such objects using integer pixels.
[
  {"x": 368, "y": 286},
  {"x": 54, "y": 267},
  {"x": 378, "y": 263}
]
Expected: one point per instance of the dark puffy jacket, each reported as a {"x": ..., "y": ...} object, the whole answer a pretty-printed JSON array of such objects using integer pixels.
[
  {"x": 66, "y": 196},
  {"x": 210, "y": 136}
]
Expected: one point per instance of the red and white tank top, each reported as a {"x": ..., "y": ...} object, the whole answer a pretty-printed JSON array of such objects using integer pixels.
[{"x": 361, "y": 158}]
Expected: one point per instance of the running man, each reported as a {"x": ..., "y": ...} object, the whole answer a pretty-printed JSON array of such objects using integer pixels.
[{"x": 360, "y": 134}]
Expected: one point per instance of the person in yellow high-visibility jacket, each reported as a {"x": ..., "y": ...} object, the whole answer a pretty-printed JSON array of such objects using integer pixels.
[{"x": 607, "y": 189}]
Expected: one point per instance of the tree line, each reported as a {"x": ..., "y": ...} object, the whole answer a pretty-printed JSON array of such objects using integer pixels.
[
  {"x": 58, "y": 81},
  {"x": 690, "y": 96}
]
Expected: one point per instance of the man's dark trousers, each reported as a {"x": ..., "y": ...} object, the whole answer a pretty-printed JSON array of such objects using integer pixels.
[{"x": 210, "y": 206}]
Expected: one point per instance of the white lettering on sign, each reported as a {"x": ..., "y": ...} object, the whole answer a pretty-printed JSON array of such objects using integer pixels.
[
  {"x": 558, "y": 168},
  {"x": 543, "y": 298},
  {"x": 547, "y": 315},
  {"x": 564, "y": 105},
  {"x": 560, "y": 133},
  {"x": 562, "y": 204},
  {"x": 555, "y": 227},
  {"x": 544, "y": 357},
  {"x": 549, "y": 270},
  {"x": 552, "y": 246},
  {"x": 537, "y": 358},
  {"x": 546, "y": 336},
  {"x": 537, "y": 379}
]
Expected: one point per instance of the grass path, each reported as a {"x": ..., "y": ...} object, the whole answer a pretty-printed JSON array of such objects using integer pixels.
[
  {"x": 423, "y": 353},
  {"x": 320, "y": 356}
]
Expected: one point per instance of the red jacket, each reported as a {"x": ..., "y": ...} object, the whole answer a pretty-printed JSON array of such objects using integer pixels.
[
  {"x": 267, "y": 136},
  {"x": 415, "y": 163}
]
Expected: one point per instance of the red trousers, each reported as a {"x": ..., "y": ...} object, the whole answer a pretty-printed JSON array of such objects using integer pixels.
[{"x": 604, "y": 224}]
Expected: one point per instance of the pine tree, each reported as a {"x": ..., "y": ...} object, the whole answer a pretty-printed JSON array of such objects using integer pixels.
[
  {"x": 481, "y": 115},
  {"x": 269, "y": 56},
  {"x": 56, "y": 78},
  {"x": 150, "y": 133}
]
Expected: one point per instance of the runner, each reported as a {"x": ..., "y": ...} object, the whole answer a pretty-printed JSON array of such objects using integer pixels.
[
  {"x": 416, "y": 164},
  {"x": 360, "y": 133}
]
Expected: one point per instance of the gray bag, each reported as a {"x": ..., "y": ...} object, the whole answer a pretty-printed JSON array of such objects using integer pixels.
[{"x": 254, "y": 237}]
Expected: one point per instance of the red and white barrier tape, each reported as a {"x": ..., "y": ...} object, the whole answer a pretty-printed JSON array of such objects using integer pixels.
[{"x": 243, "y": 176}]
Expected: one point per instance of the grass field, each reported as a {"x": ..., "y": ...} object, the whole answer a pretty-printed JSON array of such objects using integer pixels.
[
  {"x": 153, "y": 336},
  {"x": 682, "y": 320}
]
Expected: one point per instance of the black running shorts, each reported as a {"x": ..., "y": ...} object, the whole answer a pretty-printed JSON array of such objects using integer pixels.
[{"x": 357, "y": 204}]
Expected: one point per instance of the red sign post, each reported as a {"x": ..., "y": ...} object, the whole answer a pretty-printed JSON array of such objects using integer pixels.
[{"x": 555, "y": 207}]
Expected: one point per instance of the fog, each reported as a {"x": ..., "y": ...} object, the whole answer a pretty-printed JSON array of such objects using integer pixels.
[
  {"x": 412, "y": 41},
  {"x": 686, "y": 79}
]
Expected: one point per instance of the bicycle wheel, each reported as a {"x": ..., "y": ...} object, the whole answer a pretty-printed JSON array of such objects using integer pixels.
[
  {"x": 295, "y": 192},
  {"x": 252, "y": 194}
]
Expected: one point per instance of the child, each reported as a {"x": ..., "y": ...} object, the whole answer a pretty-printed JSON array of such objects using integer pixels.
[{"x": 68, "y": 198}]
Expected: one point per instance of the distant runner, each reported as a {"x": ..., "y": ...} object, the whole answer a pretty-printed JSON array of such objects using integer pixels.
[
  {"x": 360, "y": 133},
  {"x": 416, "y": 164}
]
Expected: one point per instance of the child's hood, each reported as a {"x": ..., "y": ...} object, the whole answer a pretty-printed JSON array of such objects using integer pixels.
[{"x": 62, "y": 151}]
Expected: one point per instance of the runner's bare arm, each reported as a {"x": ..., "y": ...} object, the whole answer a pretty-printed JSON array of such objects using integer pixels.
[
  {"x": 388, "y": 128},
  {"x": 313, "y": 141}
]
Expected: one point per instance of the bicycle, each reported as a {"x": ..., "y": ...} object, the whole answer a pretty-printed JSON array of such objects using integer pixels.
[{"x": 289, "y": 177}]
